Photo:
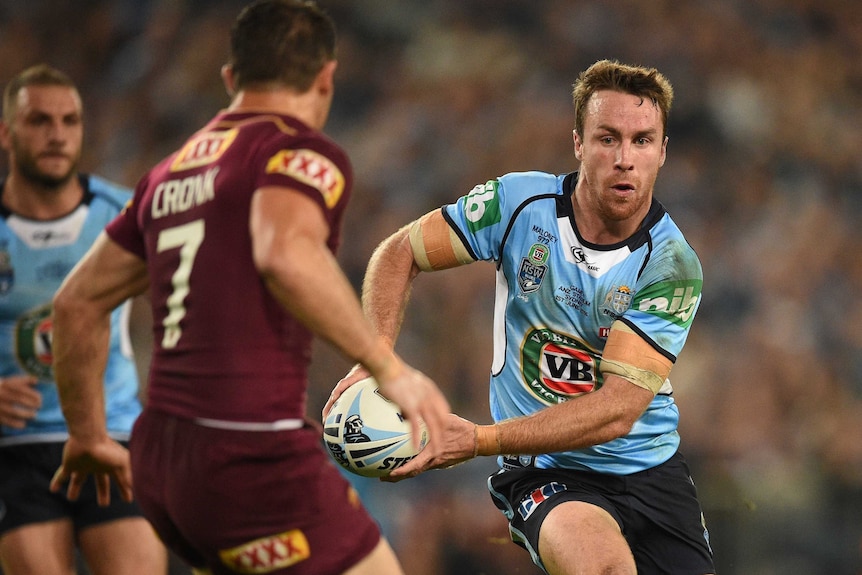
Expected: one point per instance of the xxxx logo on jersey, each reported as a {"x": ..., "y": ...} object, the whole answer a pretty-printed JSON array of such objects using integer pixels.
[
  {"x": 557, "y": 367},
  {"x": 203, "y": 149},
  {"x": 33, "y": 341},
  {"x": 311, "y": 168}
]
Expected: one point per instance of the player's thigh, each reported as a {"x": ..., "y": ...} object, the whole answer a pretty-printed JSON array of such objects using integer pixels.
[
  {"x": 127, "y": 546},
  {"x": 381, "y": 561},
  {"x": 46, "y": 548},
  {"x": 579, "y": 537}
]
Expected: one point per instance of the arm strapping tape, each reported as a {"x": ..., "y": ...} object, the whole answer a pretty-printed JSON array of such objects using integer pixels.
[
  {"x": 435, "y": 245},
  {"x": 640, "y": 377}
]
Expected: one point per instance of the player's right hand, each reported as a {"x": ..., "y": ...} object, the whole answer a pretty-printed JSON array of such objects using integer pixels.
[
  {"x": 420, "y": 400},
  {"x": 19, "y": 401},
  {"x": 105, "y": 460}
]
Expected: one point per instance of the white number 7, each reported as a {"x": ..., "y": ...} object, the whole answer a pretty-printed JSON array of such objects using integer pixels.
[{"x": 188, "y": 237}]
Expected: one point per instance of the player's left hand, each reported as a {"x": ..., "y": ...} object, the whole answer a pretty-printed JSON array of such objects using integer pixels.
[
  {"x": 104, "y": 460},
  {"x": 455, "y": 445}
]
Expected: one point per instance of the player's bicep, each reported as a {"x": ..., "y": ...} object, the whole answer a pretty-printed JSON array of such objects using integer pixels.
[
  {"x": 279, "y": 215},
  {"x": 629, "y": 356},
  {"x": 435, "y": 244}
]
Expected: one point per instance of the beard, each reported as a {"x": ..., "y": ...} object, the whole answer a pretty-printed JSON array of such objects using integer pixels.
[{"x": 28, "y": 166}]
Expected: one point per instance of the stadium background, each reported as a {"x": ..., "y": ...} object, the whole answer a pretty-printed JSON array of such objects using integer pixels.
[{"x": 434, "y": 96}]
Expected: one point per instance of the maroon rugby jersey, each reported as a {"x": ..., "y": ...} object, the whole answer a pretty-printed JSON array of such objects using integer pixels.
[{"x": 224, "y": 348}]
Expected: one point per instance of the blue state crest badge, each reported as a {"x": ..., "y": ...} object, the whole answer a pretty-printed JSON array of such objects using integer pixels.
[{"x": 533, "y": 268}]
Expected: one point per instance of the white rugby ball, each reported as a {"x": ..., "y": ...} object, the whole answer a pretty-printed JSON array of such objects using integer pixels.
[{"x": 366, "y": 433}]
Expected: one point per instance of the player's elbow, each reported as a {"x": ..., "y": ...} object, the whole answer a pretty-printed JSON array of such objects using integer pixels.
[
  {"x": 618, "y": 423},
  {"x": 68, "y": 300},
  {"x": 620, "y": 427}
]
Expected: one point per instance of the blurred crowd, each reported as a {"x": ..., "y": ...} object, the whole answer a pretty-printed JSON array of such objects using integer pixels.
[{"x": 764, "y": 175}]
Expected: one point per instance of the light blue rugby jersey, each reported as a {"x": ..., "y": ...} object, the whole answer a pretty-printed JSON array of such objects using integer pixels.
[
  {"x": 557, "y": 296},
  {"x": 35, "y": 256}
]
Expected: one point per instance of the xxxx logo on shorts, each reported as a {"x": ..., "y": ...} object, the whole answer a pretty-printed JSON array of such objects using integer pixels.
[
  {"x": 557, "y": 367},
  {"x": 268, "y": 553}
]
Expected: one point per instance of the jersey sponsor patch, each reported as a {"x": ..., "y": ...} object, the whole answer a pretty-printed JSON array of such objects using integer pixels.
[
  {"x": 33, "y": 342},
  {"x": 311, "y": 168},
  {"x": 267, "y": 554},
  {"x": 482, "y": 206},
  {"x": 203, "y": 149},
  {"x": 557, "y": 367},
  {"x": 675, "y": 301}
]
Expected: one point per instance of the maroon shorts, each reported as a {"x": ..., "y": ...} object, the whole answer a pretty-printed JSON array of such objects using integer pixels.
[{"x": 248, "y": 501}]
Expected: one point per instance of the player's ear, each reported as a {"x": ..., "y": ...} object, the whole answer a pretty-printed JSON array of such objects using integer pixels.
[
  {"x": 663, "y": 152},
  {"x": 4, "y": 136},
  {"x": 326, "y": 78},
  {"x": 579, "y": 145},
  {"x": 228, "y": 79}
]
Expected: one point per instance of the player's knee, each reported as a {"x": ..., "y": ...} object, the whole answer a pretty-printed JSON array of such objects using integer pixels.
[{"x": 578, "y": 537}]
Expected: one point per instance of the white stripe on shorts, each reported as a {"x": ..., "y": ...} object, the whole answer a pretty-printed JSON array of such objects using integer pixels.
[{"x": 279, "y": 425}]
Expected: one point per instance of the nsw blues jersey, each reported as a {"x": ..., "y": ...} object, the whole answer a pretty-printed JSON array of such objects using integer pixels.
[
  {"x": 35, "y": 257},
  {"x": 557, "y": 296}
]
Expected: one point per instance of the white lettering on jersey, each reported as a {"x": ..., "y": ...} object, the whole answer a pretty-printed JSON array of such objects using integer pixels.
[{"x": 176, "y": 196}]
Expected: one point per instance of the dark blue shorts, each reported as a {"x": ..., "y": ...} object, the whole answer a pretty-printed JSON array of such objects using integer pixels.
[
  {"x": 25, "y": 474},
  {"x": 657, "y": 510},
  {"x": 248, "y": 501}
]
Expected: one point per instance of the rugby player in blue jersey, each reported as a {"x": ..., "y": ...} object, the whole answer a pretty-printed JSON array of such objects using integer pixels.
[
  {"x": 596, "y": 292},
  {"x": 49, "y": 217}
]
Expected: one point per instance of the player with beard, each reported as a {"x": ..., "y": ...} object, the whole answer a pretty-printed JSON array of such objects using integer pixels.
[{"x": 49, "y": 216}]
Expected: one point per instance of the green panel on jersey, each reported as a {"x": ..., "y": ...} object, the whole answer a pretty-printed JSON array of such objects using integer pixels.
[
  {"x": 482, "y": 206},
  {"x": 674, "y": 301}
]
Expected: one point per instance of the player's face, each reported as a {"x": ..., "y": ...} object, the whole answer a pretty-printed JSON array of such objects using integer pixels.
[
  {"x": 622, "y": 149},
  {"x": 45, "y": 136}
]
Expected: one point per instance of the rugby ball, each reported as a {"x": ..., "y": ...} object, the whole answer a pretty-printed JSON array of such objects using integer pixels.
[{"x": 366, "y": 433}]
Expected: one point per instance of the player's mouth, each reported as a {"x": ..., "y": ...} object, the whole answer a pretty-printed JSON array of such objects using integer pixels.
[
  {"x": 623, "y": 188},
  {"x": 54, "y": 155}
]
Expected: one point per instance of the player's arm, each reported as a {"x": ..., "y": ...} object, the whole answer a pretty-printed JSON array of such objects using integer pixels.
[
  {"x": 590, "y": 419},
  {"x": 289, "y": 235},
  {"x": 633, "y": 373},
  {"x": 107, "y": 276},
  {"x": 427, "y": 244}
]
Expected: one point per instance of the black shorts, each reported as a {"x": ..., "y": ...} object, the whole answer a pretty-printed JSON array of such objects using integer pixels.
[
  {"x": 25, "y": 475},
  {"x": 657, "y": 510},
  {"x": 248, "y": 501}
]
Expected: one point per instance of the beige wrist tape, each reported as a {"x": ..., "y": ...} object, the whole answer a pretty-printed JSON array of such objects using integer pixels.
[
  {"x": 488, "y": 440},
  {"x": 640, "y": 377}
]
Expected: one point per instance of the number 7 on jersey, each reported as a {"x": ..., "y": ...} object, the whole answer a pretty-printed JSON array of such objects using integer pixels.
[{"x": 188, "y": 237}]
